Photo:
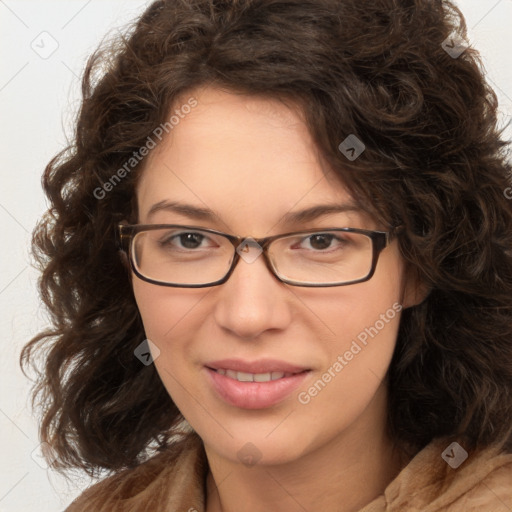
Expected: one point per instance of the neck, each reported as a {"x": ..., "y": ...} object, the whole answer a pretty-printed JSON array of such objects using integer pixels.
[{"x": 342, "y": 475}]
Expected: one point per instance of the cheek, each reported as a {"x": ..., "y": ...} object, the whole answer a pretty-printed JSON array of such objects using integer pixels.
[
  {"x": 161, "y": 307},
  {"x": 363, "y": 322},
  {"x": 359, "y": 361},
  {"x": 346, "y": 387},
  {"x": 359, "y": 311},
  {"x": 170, "y": 316}
]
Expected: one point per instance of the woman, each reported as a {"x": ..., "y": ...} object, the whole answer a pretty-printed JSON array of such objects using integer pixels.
[{"x": 278, "y": 265}]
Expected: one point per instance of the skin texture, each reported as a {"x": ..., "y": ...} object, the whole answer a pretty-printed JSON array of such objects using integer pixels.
[{"x": 251, "y": 160}]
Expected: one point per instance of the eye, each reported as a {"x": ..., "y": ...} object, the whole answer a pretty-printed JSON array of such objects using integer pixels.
[
  {"x": 185, "y": 240},
  {"x": 322, "y": 241}
]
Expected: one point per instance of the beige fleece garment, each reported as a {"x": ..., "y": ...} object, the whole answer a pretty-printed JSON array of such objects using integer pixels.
[{"x": 175, "y": 482}]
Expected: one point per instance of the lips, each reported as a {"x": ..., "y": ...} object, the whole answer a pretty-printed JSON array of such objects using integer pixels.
[{"x": 254, "y": 385}]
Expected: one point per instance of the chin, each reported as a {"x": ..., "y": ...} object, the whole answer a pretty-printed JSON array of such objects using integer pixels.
[{"x": 255, "y": 446}]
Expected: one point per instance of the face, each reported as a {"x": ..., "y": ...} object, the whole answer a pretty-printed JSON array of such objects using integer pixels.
[{"x": 251, "y": 161}]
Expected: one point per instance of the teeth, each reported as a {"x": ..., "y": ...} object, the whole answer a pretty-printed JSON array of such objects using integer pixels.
[
  {"x": 262, "y": 377},
  {"x": 245, "y": 377},
  {"x": 253, "y": 377}
]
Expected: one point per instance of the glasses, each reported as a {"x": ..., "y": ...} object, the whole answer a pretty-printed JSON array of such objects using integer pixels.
[{"x": 191, "y": 257}]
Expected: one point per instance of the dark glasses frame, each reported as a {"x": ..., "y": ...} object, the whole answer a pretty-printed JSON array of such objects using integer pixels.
[{"x": 379, "y": 239}]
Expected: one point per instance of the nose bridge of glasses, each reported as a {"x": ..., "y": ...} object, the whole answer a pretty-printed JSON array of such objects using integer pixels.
[{"x": 250, "y": 249}]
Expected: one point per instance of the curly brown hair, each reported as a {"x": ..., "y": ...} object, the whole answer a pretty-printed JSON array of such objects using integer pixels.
[{"x": 435, "y": 161}]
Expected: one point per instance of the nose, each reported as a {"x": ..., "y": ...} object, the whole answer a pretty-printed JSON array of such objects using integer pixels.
[{"x": 252, "y": 300}]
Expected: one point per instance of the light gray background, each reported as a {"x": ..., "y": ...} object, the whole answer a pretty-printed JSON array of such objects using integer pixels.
[{"x": 38, "y": 98}]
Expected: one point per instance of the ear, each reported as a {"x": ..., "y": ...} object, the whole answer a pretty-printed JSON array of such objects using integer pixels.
[{"x": 414, "y": 290}]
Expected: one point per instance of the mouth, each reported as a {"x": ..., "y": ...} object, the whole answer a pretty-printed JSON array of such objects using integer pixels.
[
  {"x": 256, "y": 385},
  {"x": 253, "y": 377}
]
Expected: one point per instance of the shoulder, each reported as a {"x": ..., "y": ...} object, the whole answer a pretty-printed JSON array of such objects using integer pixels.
[
  {"x": 170, "y": 477},
  {"x": 493, "y": 490},
  {"x": 444, "y": 477}
]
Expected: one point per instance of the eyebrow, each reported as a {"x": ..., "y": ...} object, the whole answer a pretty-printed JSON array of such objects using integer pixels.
[{"x": 308, "y": 214}]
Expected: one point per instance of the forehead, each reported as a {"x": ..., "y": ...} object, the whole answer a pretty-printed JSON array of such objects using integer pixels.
[{"x": 249, "y": 159}]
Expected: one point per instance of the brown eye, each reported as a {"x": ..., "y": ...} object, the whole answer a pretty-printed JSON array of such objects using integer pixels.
[
  {"x": 190, "y": 240},
  {"x": 183, "y": 240},
  {"x": 321, "y": 241}
]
